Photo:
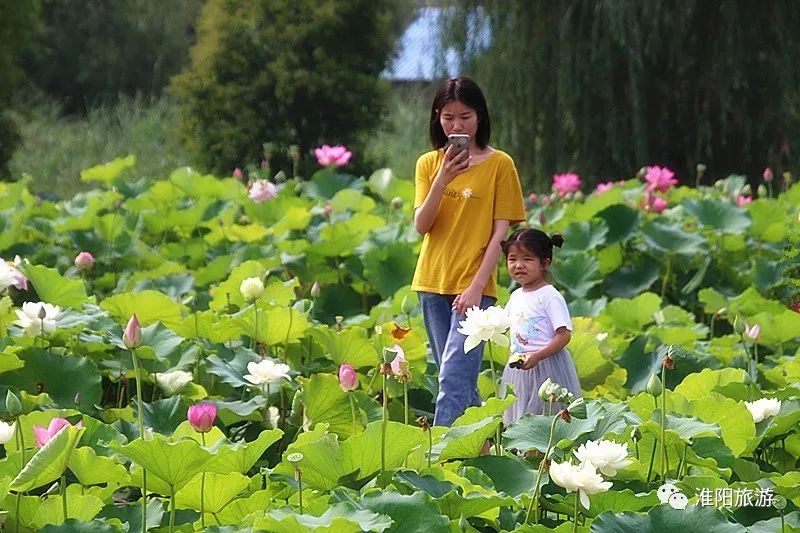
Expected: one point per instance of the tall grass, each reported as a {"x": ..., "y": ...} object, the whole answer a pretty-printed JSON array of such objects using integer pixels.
[{"x": 55, "y": 149}]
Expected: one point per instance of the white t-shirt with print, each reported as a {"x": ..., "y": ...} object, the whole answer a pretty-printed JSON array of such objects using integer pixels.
[{"x": 535, "y": 317}]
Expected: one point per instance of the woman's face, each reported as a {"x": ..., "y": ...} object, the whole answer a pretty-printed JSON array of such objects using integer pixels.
[{"x": 457, "y": 117}]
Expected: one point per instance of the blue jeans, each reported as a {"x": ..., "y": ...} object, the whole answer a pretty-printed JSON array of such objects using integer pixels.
[{"x": 458, "y": 372}]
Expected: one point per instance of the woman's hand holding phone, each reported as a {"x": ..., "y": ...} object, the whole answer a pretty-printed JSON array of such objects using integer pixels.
[{"x": 455, "y": 162}]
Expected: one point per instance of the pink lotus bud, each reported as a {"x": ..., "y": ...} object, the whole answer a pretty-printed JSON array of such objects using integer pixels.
[
  {"x": 327, "y": 210},
  {"x": 752, "y": 331},
  {"x": 348, "y": 380},
  {"x": 336, "y": 156},
  {"x": 532, "y": 197},
  {"x": 43, "y": 435},
  {"x": 237, "y": 173},
  {"x": 603, "y": 187},
  {"x": 658, "y": 205},
  {"x": 767, "y": 175},
  {"x": 84, "y": 261},
  {"x": 132, "y": 337},
  {"x": 201, "y": 416},
  {"x": 742, "y": 200}
]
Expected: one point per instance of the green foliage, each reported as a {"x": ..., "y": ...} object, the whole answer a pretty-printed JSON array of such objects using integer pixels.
[{"x": 284, "y": 73}]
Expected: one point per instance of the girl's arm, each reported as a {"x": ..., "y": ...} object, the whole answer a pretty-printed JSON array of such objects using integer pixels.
[
  {"x": 472, "y": 295},
  {"x": 558, "y": 343}
]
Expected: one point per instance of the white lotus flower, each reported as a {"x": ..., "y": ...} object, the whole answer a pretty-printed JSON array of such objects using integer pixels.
[
  {"x": 761, "y": 409},
  {"x": 582, "y": 478},
  {"x": 606, "y": 455},
  {"x": 173, "y": 381},
  {"x": 266, "y": 372},
  {"x": 6, "y": 431},
  {"x": 251, "y": 288},
  {"x": 484, "y": 325},
  {"x": 31, "y": 321},
  {"x": 9, "y": 275}
]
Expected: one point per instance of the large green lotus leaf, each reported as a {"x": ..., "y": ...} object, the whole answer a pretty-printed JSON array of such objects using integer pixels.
[
  {"x": 385, "y": 184},
  {"x": 325, "y": 401},
  {"x": 778, "y": 328},
  {"x": 234, "y": 512},
  {"x": 593, "y": 368},
  {"x": 211, "y": 438},
  {"x": 631, "y": 315},
  {"x": 720, "y": 215},
  {"x": 149, "y": 307},
  {"x": 785, "y": 372},
  {"x": 61, "y": 377},
  {"x": 663, "y": 518},
  {"x": 347, "y": 346},
  {"x": 230, "y": 413},
  {"x": 215, "y": 270},
  {"x": 91, "y": 469},
  {"x": 577, "y": 273},
  {"x": 160, "y": 340},
  {"x": 325, "y": 183},
  {"x": 592, "y": 205},
  {"x": 219, "y": 490},
  {"x": 429, "y": 483},
  {"x": 49, "y": 462},
  {"x": 132, "y": 514},
  {"x": 80, "y": 507},
  {"x": 766, "y": 273},
  {"x": 81, "y": 213},
  {"x": 631, "y": 280},
  {"x": 175, "y": 463},
  {"x": 108, "y": 172},
  {"x": 664, "y": 237},
  {"x": 233, "y": 370},
  {"x": 362, "y": 453},
  {"x": 228, "y": 292},
  {"x": 790, "y": 523},
  {"x": 352, "y": 200},
  {"x": 585, "y": 236},
  {"x": 78, "y": 526},
  {"x": 415, "y": 513},
  {"x": 339, "y": 518},
  {"x": 185, "y": 219},
  {"x": 751, "y": 303},
  {"x": 55, "y": 289},
  {"x": 785, "y": 422},
  {"x": 768, "y": 219},
  {"x": 532, "y": 432},
  {"x": 466, "y": 436},
  {"x": 338, "y": 300},
  {"x": 388, "y": 268},
  {"x": 610, "y": 258},
  {"x": 712, "y": 300},
  {"x": 686, "y": 427},
  {"x": 296, "y": 218},
  {"x": 164, "y": 416},
  {"x": 510, "y": 475},
  {"x": 617, "y": 501},
  {"x": 621, "y": 221},
  {"x": 322, "y": 462},
  {"x": 209, "y": 325},
  {"x": 275, "y": 325},
  {"x": 697, "y": 385},
  {"x": 455, "y": 505},
  {"x": 733, "y": 417},
  {"x": 241, "y": 456},
  {"x": 643, "y": 404},
  {"x": 9, "y": 361},
  {"x": 197, "y": 185}
]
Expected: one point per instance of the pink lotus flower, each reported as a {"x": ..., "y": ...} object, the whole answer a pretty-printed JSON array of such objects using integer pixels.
[
  {"x": 332, "y": 155},
  {"x": 84, "y": 261},
  {"x": 743, "y": 200},
  {"x": 132, "y": 337},
  {"x": 767, "y": 175},
  {"x": 262, "y": 190},
  {"x": 603, "y": 187},
  {"x": 237, "y": 173},
  {"x": 566, "y": 183},
  {"x": 654, "y": 203},
  {"x": 201, "y": 416},
  {"x": 752, "y": 331},
  {"x": 348, "y": 380},
  {"x": 43, "y": 435},
  {"x": 400, "y": 364},
  {"x": 532, "y": 197},
  {"x": 659, "y": 179}
]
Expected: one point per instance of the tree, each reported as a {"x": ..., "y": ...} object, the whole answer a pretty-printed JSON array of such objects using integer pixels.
[{"x": 285, "y": 73}]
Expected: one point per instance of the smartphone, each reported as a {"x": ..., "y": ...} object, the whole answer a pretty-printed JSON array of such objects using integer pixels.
[{"x": 460, "y": 141}]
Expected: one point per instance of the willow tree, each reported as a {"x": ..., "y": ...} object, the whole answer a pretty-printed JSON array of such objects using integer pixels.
[{"x": 604, "y": 87}]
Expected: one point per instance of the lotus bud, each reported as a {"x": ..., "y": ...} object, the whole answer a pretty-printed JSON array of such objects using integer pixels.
[
  {"x": 84, "y": 261},
  {"x": 251, "y": 289},
  {"x": 762, "y": 191},
  {"x": 315, "y": 290},
  {"x": 132, "y": 337},
  {"x": 42, "y": 314},
  {"x": 406, "y": 306},
  {"x": 746, "y": 190},
  {"x": 578, "y": 409},
  {"x": 767, "y": 174},
  {"x": 13, "y": 405},
  {"x": 654, "y": 386},
  {"x": 636, "y": 434},
  {"x": 544, "y": 390},
  {"x": 348, "y": 379},
  {"x": 738, "y": 325},
  {"x": 397, "y": 202},
  {"x": 201, "y": 416},
  {"x": 701, "y": 170}
]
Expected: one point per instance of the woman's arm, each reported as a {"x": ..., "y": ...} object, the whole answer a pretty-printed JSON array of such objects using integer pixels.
[
  {"x": 453, "y": 164},
  {"x": 558, "y": 343},
  {"x": 472, "y": 295}
]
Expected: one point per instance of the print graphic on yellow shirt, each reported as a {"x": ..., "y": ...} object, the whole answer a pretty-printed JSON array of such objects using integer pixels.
[{"x": 453, "y": 249}]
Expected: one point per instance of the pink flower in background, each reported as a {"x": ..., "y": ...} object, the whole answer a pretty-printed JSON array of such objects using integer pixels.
[
  {"x": 659, "y": 179},
  {"x": 43, "y": 435},
  {"x": 566, "y": 183},
  {"x": 11, "y": 276},
  {"x": 767, "y": 175},
  {"x": 132, "y": 336},
  {"x": 603, "y": 187},
  {"x": 532, "y": 197},
  {"x": 743, "y": 200},
  {"x": 752, "y": 331},
  {"x": 237, "y": 173},
  {"x": 654, "y": 203},
  {"x": 262, "y": 190},
  {"x": 84, "y": 261},
  {"x": 332, "y": 155},
  {"x": 201, "y": 416},
  {"x": 348, "y": 380}
]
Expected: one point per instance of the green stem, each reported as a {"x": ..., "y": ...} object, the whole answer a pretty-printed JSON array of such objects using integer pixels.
[
  {"x": 64, "y": 495},
  {"x": 300, "y": 488},
  {"x": 255, "y": 328},
  {"x": 384, "y": 421},
  {"x": 430, "y": 446},
  {"x": 575, "y": 523},
  {"x": 139, "y": 416},
  {"x": 353, "y": 412},
  {"x": 663, "y": 419},
  {"x": 171, "y": 508},
  {"x": 652, "y": 458},
  {"x": 497, "y": 450},
  {"x": 682, "y": 461},
  {"x": 405, "y": 400},
  {"x": 203, "y": 489},
  {"x": 666, "y": 277},
  {"x": 21, "y": 444},
  {"x": 539, "y": 474},
  {"x": 755, "y": 361}
]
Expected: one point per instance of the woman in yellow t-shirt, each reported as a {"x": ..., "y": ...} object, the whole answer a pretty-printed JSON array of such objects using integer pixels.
[{"x": 464, "y": 203}]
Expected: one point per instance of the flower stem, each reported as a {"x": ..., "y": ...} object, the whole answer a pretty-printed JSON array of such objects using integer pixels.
[
  {"x": 255, "y": 328},
  {"x": 497, "y": 450},
  {"x": 663, "y": 420},
  {"x": 300, "y": 488},
  {"x": 203, "y": 489},
  {"x": 21, "y": 444},
  {"x": 171, "y": 508},
  {"x": 540, "y": 472},
  {"x": 430, "y": 446},
  {"x": 353, "y": 412},
  {"x": 575, "y": 523},
  {"x": 383, "y": 434},
  {"x": 140, "y": 415},
  {"x": 64, "y": 495}
]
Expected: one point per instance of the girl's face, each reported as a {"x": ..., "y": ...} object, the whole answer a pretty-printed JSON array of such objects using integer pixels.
[
  {"x": 525, "y": 267},
  {"x": 457, "y": 117}
]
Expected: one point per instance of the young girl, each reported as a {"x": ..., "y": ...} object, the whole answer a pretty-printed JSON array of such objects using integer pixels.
[
  {"x": 541, "y": 326},
  {"x": 464, "y": 203}
]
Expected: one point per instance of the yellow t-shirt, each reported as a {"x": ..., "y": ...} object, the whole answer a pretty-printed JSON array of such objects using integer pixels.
[{"x": 453, "y": 249}]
